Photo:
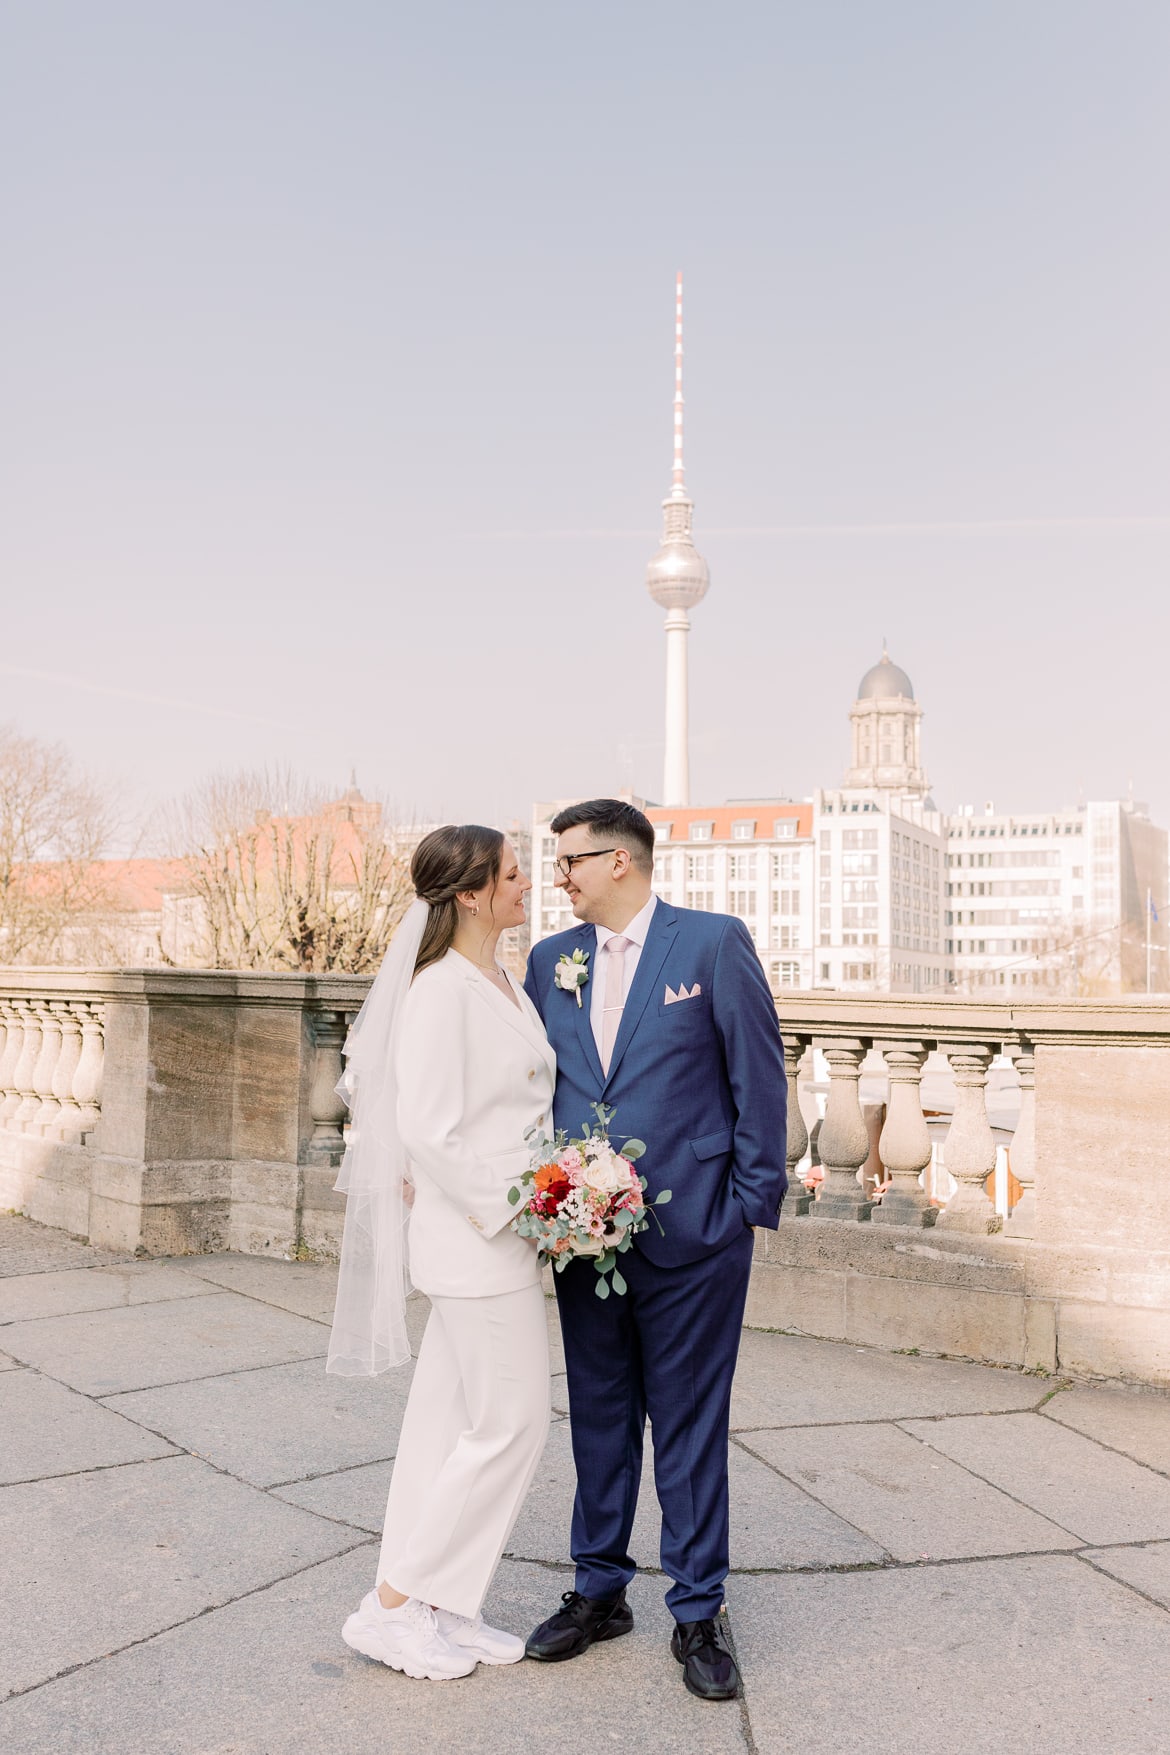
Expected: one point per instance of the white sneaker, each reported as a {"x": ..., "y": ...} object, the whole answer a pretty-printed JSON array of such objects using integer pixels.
[
  {"x": 406, "y": 1638},
  {"x": 488, "y": 1645}
]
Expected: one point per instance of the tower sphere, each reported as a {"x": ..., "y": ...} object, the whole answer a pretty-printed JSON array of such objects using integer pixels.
[{"x": 677, "y": 577}]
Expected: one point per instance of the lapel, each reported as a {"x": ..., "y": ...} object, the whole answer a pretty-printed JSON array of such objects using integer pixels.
[
  {"x": 523, "y": 1018},
  {"x": 662, "y": 934},
  {"x": 586, "y": 941}
]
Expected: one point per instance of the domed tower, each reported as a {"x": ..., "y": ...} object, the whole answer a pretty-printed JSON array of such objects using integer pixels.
[
  {"x": 886, "y": 721},
  {"x": 677, "y": 578}
]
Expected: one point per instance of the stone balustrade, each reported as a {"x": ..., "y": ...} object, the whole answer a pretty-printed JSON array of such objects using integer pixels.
[
  {"x": 1077, "y": 1276},
  {"x": 175, "y": 1110},
  {"x": 185, "y": 1110}
]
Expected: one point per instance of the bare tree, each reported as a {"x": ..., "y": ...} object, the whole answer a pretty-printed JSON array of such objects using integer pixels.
[
  {"x": 55, "y": 823},
  {"x": 277, "y": 877}
]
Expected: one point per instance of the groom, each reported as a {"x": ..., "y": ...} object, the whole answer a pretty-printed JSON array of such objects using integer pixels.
[{"x": 677, "y": 1032}]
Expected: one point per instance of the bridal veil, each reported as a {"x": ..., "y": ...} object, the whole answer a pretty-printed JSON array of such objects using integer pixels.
[{"x": 369, "y": 1319}]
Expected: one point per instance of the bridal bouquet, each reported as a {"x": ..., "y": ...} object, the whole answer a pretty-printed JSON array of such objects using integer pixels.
[{"x": 583, "y": 1197}]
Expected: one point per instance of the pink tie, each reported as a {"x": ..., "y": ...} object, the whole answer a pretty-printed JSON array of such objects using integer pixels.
[{"x": 611, "y": 1017}]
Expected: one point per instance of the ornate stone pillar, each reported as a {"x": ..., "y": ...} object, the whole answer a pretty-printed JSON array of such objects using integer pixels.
[
  {"x": 1022, "y": 1152},
  {"x": 970, "y": 1145},
  {"x": 22, "y": 1077},
  {"x": 44, "y": 1121},
  {"x": 87, "y": 1080},
  {"x": 844, "y": 1142},
  {"x": 13, "y": 1044},
  {"x": 798, "y": 1200},
  {"x": 68, "y": 1111},
  {"x": 905, "y": 1140},
  {"x": 328, "y": 1110}
]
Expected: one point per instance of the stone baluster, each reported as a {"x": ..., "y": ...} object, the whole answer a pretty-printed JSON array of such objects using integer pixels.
[
  {"x": 969, "y": 1152},
  {"x": 13, "y": 1043},
  {"x": 905, "y": 1140},
  {"x": 67, "y": 1125},
  {"x": 844, "y": 1141},
  {"x": 43, "y": 1122},
  {"x": 328, "y": 1110},
  {"x": 87, "y": 1080},
  {"x": 1022, "y": 1152},
  {"x": 798, "y": 1200},
  {"x": 22, "y": 1077}
]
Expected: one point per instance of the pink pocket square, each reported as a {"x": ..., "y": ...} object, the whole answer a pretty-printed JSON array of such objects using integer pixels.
[{"x": 672, "y": 998}]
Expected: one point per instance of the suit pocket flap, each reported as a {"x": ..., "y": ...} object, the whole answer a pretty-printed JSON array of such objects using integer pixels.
[{"x": 712, "y": 1145}]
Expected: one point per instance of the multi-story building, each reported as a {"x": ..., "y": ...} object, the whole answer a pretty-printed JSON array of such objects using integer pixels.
[
  {"x": 1066, "y": 901},
  {"x": 871, "y": 887}
]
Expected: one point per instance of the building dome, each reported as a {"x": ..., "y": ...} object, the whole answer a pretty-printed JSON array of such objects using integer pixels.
[{"x": 885, "y": 682}]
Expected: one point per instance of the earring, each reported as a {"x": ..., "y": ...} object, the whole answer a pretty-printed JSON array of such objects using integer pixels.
[{"x": 475, "y": 910}]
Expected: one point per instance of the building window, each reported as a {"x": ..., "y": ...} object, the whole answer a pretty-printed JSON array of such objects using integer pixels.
[
  {"x": 743, "y": 831},
  {"x": 700, "y": 868},
  {"x": 742, "y": 868},
  {"x": 786, "y": 937},
  {"x": 662, "y": 831},
  {"x": 742, "y": 903},
  {"x": 784, "y": 829},
  {"x": 704, "y": 900},
  {"x": 701, "y": 831},
  {"x": 786, "y": 867},
  {"x": 786, "y": 974},
  {"x": 825, "y": 971}
]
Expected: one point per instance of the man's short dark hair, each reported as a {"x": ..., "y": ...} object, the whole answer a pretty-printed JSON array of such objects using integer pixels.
[{"x": 608, "y": 819}]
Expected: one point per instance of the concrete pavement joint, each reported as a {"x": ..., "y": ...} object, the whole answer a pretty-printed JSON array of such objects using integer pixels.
[
  {"x": 1087, "y": 1556},
  {"x": 184, "y": 1621}
]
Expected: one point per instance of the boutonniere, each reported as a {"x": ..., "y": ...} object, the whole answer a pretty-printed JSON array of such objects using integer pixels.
[{"x": 570, "y": 973}]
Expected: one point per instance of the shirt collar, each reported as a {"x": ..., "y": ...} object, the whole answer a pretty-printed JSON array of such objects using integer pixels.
[{"x": 636, "y": 931}]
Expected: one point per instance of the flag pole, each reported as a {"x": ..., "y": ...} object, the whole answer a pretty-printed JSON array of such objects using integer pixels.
[{"x": 1149, "y": 934}]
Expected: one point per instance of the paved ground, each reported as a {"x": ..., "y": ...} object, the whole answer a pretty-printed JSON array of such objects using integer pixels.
[{"x": 928, "y": 1556}]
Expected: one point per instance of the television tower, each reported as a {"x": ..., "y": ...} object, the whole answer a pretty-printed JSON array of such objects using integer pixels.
[{"x": 677, "y": 578}]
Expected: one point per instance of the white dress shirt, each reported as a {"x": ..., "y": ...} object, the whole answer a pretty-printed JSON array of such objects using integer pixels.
[{"x": 636, "y": 933}]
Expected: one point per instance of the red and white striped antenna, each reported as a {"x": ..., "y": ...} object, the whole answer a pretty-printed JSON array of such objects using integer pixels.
[{"x": 678, "y": 481}]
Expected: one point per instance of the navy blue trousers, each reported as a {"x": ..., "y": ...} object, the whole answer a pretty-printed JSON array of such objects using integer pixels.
[{"x": 665, "y": 1351}]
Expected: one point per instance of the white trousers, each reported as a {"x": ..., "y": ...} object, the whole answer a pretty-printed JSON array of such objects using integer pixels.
[{"x": 474, "y": 1430}]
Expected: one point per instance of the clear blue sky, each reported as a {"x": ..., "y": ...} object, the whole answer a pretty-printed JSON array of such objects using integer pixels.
[{"x": 337, "y": 373}]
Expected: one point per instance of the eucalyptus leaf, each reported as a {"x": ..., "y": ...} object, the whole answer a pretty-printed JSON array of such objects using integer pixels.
[
  {"x": 601, "y": 1288},
  {"x": 513, "y": 1196},
  {"x": 663, "y": 1199},
  {"x": 633, "y": 1149},
  {"x": 619, "y": 1285}
]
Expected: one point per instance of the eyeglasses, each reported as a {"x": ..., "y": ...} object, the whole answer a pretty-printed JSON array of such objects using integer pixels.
[{"x": 567, "y": 861}]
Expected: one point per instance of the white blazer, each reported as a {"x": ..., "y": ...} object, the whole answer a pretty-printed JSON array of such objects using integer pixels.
[{"x": 474, "y": 1072}]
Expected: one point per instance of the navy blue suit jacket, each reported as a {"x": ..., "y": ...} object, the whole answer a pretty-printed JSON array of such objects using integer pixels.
[{"x": 700, "y": 1080}]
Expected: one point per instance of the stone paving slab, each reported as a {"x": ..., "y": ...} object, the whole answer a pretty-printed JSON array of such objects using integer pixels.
[
  {"x": 46, "y": 1429},
  {"x": 1136, "y": 1422},
  {"x": 145, "y": 1345},
  {"x": 1032, "y": 1656},
  {"x": 1146, "y": 1567},
  {"x": 306, "y": 1288},
  {"x": 70, "y": 1291},
  {"x": 353, "y": 1496},
  {"x": 1101, "y": 1497},
  {"x": 789, "y": 1380},
  {"x": 269, "y": 1675},
  {"x": 916, "y": 1503},
  {"x": 28, "y": 1248},
  {"x": 773, "y": 1523},
  {"x": 93, "y": 1561},
  {"x": 277, "y": 1424},
  {"x": 7, "y": 1364}
]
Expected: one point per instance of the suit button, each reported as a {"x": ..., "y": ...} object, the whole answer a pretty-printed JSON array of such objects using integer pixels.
[
  {"x": 472, "y": 1220},
  {"x": 532, "y": 1072},
  {"x": 540, "y": 1121}
]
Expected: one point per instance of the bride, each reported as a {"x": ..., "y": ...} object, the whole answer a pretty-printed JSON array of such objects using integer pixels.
[{"x": 447, "y": 1067}]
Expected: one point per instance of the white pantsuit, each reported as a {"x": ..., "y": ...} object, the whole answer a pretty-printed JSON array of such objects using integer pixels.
[{"x": 474, "y": 1073}]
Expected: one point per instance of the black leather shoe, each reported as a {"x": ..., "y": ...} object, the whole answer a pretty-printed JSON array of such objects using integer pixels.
[
  {"x": 582, "y": 1622},
  {"x": 708, "y": 1667}
]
